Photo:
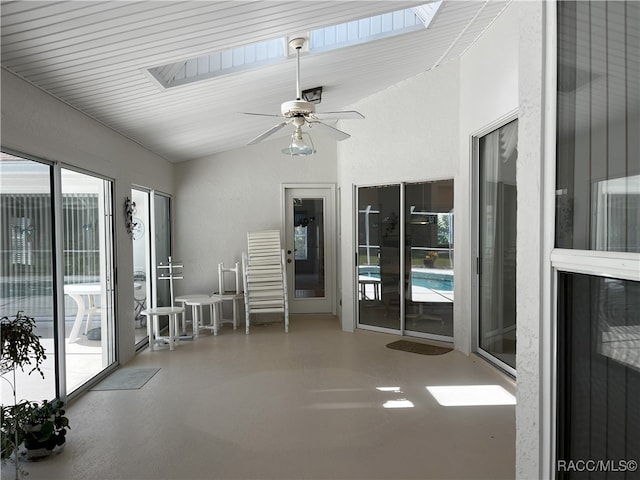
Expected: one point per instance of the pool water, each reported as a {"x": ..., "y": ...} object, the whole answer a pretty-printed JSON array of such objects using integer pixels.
[{"x": 435, "y": 281}]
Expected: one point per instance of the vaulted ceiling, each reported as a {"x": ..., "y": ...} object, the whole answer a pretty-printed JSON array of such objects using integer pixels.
[{"x": 94, "y": 56}]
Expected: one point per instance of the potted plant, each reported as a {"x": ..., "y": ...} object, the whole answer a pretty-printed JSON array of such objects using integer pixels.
[
  {"x": 45, "y": 428},
  {"x": 20, "y": 348},
  {"x": 430, "y": 258}
]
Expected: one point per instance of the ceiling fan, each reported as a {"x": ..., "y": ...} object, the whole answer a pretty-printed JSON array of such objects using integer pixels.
[{"x": 299, "y": 113}]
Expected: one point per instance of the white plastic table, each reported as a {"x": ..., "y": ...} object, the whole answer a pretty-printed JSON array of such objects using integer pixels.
[
  {"x": 153, "y": 325},
  {"x": 215, "y": 304},
  {"x": 182, "y": 300},
  {"x": 78, "y": 292}
]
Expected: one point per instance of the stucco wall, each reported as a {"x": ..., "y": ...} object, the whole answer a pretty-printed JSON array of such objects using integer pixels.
[
  {"x": 421, "y": 129},
  {"x": 532, "y": 299},
  {"x": 488, "y": 94},
  {"x": 221, "y": 198},
  {"x": 410, "y": 134},
  {"x": 37, "y": 124}
]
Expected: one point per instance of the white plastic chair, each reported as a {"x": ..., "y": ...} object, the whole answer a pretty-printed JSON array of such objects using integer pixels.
[
  {"x": 265, "y": 276},
  {"x": 234, "y": 296}
]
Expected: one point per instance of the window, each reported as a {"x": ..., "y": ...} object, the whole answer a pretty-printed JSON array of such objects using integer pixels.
[
  {"x": 597, "y": 255},
  {"x": 220, "y": 62},
  {"x": 598, "y": 146},
  {"x": 373, "y": 28},
  {"x": 268, "y": 52}
]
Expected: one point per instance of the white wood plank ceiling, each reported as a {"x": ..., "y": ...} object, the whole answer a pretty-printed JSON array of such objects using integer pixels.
[{"x": 93, "y": 55}]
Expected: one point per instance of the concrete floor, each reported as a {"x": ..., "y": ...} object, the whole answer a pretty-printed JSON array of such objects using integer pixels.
[{"x": 302, "y": 405}]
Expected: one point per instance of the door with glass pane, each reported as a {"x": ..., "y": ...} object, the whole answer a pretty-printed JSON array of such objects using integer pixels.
[
  {"x": 496, "y": 220},
  {"x": 160, "y": 253},
  {"x": 27, "y": 281},
  {"x": 88, "y": 276},
  {"x": 414, "y": 222},
  {"x": 151, "y": 238},
  {"x": 141, "y": 239},
  {"x": 378, "y": 257},
  {"x": 429, "y": 258},
  {"x": 309, "y": 243},
  {"x": 82, "y": 327}
]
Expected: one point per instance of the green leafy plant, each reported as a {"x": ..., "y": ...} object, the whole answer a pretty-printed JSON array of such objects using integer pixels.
[
  {"x": 20, "y": 346},
  {"x": 45, "y": 425},
  {"x": 32, "y": 423}
]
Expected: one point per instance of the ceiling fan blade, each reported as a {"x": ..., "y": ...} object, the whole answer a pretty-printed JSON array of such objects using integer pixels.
[
  {"x": 345, "y": 115},
  {"x": 329, "y": 130},
  {"x": 262, "y": 114},
  {"x": 264, "y": 135}
]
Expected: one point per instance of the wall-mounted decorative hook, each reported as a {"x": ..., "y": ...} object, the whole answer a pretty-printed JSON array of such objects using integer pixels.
[{"x": 129, "y": 210}]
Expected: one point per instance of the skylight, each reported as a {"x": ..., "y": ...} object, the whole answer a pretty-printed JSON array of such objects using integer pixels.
[
  {"x": 373, "y": 28},
  {"x": 255, "y": 55},
  {"x": 219, "y": 63}
]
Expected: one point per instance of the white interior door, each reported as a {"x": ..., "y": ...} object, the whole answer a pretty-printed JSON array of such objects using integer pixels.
[{"x": 309, "y": 243}]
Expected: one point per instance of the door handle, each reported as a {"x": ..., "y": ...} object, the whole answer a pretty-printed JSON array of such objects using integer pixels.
[
  {"x": 289, "y": 252},
  {"x": 288, "y": 260}
]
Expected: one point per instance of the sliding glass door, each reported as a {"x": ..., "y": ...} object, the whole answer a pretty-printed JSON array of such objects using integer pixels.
[
  {"x": 496, "y": 220},
  {"x": 429, "y": 258},
  {"x": 27, "y": 280},
  {"x": 151, "y": 237},
  {"x": 68, "y": 289},
  {"x": 141, "y": 238},
  {"x": 161, "y": 248},
  {"x": 88, "y": 276},
  {"x": 405, "y": 258},
  {"x": 379, "y": 256}
]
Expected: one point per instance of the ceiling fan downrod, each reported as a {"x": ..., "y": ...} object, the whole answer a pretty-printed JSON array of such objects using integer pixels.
[{"x": 297, "y": 43}]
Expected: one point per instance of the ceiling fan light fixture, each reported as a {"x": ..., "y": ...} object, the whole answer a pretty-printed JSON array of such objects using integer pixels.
[
  {"x": 302, "y": 111},
  {"x": 298, "y": 147}
]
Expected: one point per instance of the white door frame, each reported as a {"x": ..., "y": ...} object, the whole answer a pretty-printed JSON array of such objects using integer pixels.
[{"x": 314, "y": 305}]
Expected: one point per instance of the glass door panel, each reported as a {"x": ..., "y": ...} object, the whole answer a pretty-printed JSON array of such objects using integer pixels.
[
  {"x": 26, "y": 265},
  {"x": 88, "y": 288},
  {"x": 598, "y": 371},
  {"x": 497, "y": 243},
  {"x": 378, "y": 258},
  {"x": 308, "y": 229},
  {"x": 308, "y": 234},
  {"x": 161, "y": 251},
  {"x": 162, "y": 246},
  {"x": 429, "y": 258},
  {"x": 141, "y": 261}
]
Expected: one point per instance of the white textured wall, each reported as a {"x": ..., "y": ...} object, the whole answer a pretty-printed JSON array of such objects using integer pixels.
[
  {"x": 410, "y": 134},
  {"x": 37, "y": 124},
  {"x": 419, "y": 130},
  {"x": 488, "y": 92},
  {"x": 532, "y": 261},
  {"x": 221, "y": 198}
]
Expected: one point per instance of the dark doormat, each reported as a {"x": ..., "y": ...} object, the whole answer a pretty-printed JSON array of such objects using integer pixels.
[{"x": 415, "y": 347}]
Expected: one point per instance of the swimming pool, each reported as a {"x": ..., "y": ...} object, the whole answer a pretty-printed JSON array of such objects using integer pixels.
[{"x": 419, "y": 278}]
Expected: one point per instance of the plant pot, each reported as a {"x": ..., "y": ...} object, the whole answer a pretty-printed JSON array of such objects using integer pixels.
[
  {"x": 42, "y": 451},
  {"x": 428, "y": 263},
  {"x": 37, "y": 445}
]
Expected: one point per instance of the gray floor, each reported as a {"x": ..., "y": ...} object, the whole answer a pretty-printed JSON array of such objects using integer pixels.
[{"x": 302, "y": 405}]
